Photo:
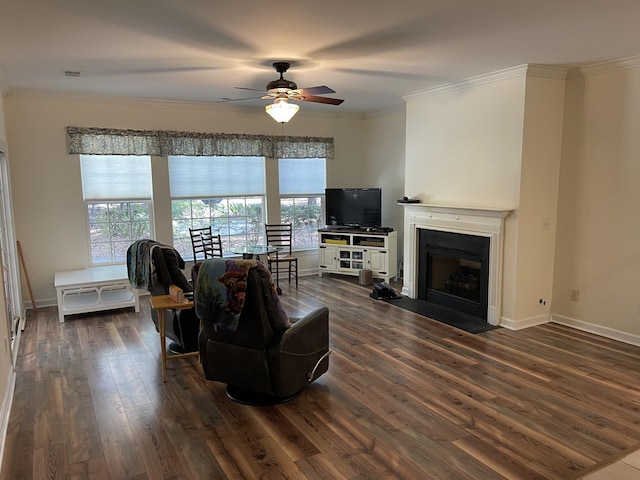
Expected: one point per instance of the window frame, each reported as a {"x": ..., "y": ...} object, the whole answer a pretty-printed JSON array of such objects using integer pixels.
[
  {"x": 223, "y": 169},
  {"x": 96, "y": 179},
  {"x": 298, "y": 194}
]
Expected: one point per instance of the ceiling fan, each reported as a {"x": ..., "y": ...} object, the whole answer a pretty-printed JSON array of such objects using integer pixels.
[{"x": 283, "y": 90}]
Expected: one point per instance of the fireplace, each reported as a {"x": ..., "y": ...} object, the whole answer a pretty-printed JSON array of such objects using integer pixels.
[
  {"x": 453, "y": 271},
  {"x": 487, "y": 225}
]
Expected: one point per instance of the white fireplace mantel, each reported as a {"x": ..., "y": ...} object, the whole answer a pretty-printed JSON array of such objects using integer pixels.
[{"x": 486, "y": 222}]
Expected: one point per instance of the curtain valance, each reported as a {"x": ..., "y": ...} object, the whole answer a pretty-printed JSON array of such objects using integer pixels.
[{"x": 109, "y": 141}]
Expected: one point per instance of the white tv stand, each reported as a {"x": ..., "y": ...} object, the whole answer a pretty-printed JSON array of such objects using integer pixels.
[{"x": 347, "y": 251}]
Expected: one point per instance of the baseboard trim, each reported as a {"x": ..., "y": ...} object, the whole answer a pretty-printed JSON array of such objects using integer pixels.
[
  {"x": 5, "y": 412},
  {"x": 601, "y": 330},
  {"x": 524, "y": 323}
]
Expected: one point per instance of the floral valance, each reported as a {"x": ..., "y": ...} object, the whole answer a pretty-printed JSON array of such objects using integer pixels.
[{"x": 109, "y": 141}]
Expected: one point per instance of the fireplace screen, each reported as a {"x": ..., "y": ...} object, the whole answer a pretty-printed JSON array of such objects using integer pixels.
[
  {"x": 456, "y": 276},
  {"x": 453, "y": 271}
]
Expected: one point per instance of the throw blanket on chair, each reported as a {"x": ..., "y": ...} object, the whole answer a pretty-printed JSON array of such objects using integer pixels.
[
  {"x": 140, "y": 264},
  {"x": 220, "y": 292}
]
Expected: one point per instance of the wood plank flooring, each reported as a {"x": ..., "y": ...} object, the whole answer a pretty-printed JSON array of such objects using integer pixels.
[{"x": 405, "y": 397}]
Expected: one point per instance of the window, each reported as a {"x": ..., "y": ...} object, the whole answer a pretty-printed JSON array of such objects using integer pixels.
[
  {"x": 117, "y": 191},
  {"x": 227, "y": 193},
  {"x": 302, "y": 184}
]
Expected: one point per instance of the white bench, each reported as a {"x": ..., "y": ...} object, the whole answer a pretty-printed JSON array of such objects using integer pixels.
[{"x": 94, "y": 289}]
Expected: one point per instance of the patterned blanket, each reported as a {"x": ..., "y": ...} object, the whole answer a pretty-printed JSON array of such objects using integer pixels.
[
  {"x": 220, "y": 293},
  {"x": 140, "y": 262}
]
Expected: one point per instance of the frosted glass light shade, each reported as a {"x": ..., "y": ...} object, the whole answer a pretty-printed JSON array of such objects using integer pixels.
[{"x": 281, "y": 110}]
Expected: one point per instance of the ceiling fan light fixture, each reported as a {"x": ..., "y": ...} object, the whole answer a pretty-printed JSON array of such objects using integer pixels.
[{"x": 281, "y": 110}]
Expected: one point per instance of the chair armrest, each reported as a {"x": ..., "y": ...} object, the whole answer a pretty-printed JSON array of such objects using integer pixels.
[
  {"x": 307, "y": 334},
  {"x": 299, "y": 355}
]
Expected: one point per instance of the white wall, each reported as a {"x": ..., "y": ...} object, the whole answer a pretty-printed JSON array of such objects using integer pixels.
[
  {"x": 539, "y": 177},
  {"x": 464, "y": 148},
  {"x": 495, "y": 142},
  {"x": 6, "y": 363},
  {"x": 384, "y": 160},
  {"x": 464, "y": 145},
  {"x": 598, "y": 234},
  {"x": 50, "y": 214}
]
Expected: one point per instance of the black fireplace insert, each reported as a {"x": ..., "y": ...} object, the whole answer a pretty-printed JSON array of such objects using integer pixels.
[{"x": 453, "y": 271}]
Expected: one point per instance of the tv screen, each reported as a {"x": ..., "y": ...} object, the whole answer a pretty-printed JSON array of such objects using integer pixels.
[{"x": 353, "y": 207}]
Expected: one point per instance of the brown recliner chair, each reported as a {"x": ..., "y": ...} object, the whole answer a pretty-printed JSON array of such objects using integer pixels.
[{"x": 246, "y": 339}]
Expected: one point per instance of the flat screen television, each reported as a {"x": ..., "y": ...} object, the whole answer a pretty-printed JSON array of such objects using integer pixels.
[{"x": 353, "y": 207}]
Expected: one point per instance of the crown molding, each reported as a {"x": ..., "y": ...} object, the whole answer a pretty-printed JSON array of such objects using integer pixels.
[
  {"x": 527, "y": 70},
  {"x": 547, "y": 71},
  {"x": 611, "y": 66}
]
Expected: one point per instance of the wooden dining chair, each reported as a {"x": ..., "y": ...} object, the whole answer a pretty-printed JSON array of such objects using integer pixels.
[
  {"x": 280, "y": 236},
  {"x": 204, "y": 243}
]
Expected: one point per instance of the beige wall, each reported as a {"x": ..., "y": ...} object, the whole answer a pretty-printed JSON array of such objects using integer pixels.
[
  {"x": 49, "y": 211},
  {"x": 562, "y": 152},
  {"x": 3, "y": 123},
  {"x": 598, "y": 228},
  {"x": 464, "y": 148},
  {"x": 384, "y": 165},
  {"x": 495, "y": 142},
  {"x": 539, "y": 177}
]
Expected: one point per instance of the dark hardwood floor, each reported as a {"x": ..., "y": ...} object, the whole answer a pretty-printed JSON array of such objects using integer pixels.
[{"x": 405, "y": 397}]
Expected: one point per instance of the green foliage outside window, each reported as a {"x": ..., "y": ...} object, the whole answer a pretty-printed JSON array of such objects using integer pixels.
[
  {"x": 114, "y": 226},
  {"x": 305, "y": 213},
  {"x": 238, "y": 220}
]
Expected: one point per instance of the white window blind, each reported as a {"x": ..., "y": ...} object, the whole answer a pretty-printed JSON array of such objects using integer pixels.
[
  {"x": 204, "y": 177},
  {"x": 301, "y": 176},
  {"x": 107, "y": 177}
]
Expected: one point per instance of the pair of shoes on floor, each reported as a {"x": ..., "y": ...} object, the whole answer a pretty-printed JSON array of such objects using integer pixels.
[{"x": 175, "y": 348}]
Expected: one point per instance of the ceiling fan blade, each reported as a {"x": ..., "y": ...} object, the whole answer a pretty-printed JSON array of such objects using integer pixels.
[
  {"x": 322, "y": 89},
  {"x": 251, "y": 89},
  {"x": 226, "y": 100},
  {"x": 313, "y": 98}
]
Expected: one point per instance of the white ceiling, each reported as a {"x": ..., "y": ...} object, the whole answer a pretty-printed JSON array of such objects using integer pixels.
[{"x": 369, "y": 51}]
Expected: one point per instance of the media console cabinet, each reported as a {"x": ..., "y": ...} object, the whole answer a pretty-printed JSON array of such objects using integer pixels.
[
  {"x": 94, "y": 289},
  {"x": 346, "y": 252}
]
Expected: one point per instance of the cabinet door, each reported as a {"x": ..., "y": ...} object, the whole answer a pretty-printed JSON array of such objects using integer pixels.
[
  {"x": 327, "y": 257},
  {"x": 377, "y": 261}
]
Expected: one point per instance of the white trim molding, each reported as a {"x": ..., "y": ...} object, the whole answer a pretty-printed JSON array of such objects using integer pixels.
[
  {"x": 611, "y": 66},
  {"x": 524, "y": 322},
  {"x": 607, "y": 332},
  {"x": 530, "y": 70},
  {"x": 486, "y": 222},
  {"x": 5, "y": 411}
]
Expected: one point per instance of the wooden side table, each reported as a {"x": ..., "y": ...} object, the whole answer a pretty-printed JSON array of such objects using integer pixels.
[{"x": 162, "y": 303}]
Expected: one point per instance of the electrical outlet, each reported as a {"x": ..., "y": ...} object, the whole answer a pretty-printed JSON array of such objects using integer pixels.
[
  {"x": 546, "y": 223},
  {"x": 575, "y": 295}
]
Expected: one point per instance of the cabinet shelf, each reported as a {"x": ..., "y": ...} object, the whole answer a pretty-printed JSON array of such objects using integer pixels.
[{"x": 349, "y": 253}]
